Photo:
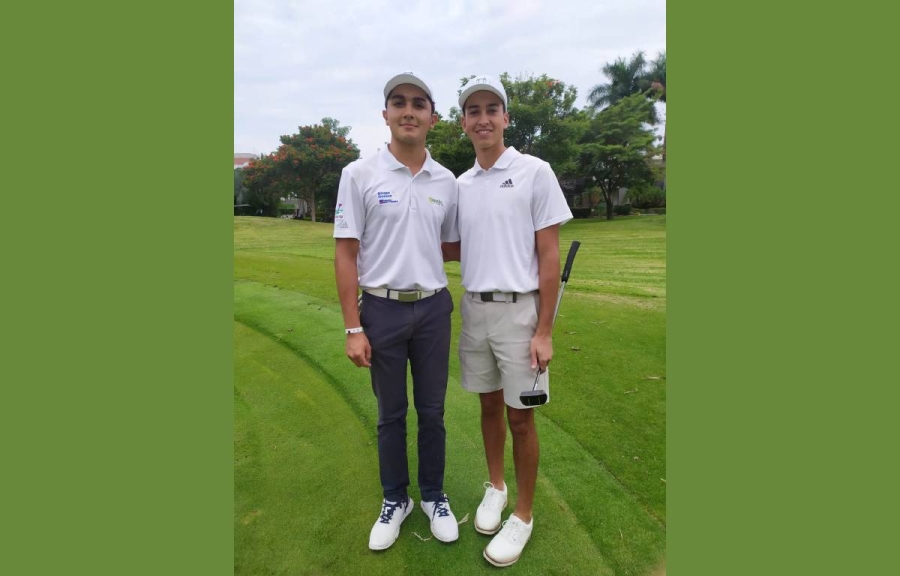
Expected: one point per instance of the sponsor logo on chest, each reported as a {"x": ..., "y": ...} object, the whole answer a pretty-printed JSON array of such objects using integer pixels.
[{"x": 386, "y": 198}]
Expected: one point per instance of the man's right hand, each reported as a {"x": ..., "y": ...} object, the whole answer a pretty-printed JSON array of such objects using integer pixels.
[{"x": 358, "y": 350}]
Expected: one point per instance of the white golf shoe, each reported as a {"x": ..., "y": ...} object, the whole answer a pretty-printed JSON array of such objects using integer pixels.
[
  {"x": 387, "y": 527},
  {"x": 487, "y": 517},
  {"x": 443, "y": 522},
  {"x": 507, "y": 546}
]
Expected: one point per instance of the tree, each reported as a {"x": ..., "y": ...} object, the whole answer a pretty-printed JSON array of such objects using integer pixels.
[
  {"x": 449, "y": 145},
  {"x": 543, "y": 121},
  {"x": 646, "y": 195},
  {"x": 626, "y": 77},
  {"x": 634, "y": 76},
  {"x": 656, "y": 75},
  {"x": 617, "y": 149},
  {"x": 308, "y": 162},
  {"x": 263, "y": 184},
  {"x": 326, "y": 196}
]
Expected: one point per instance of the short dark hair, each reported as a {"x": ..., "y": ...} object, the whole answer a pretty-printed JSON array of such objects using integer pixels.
[{"x": 391, "y": 92}]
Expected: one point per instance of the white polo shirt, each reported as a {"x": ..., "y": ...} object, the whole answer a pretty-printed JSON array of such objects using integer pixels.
[
  {"x": 500, "y": 209},
  {"x": 399, "y": 219}
]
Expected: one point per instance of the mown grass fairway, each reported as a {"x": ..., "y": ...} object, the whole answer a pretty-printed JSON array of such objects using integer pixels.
[{"x": 306, "y": 469}]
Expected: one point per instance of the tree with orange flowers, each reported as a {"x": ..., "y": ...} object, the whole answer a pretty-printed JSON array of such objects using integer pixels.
[{"x": 309, "y": 163}]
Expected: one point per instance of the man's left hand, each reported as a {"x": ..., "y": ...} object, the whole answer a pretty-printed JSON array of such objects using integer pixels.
[{"x": 541, "y": 351}]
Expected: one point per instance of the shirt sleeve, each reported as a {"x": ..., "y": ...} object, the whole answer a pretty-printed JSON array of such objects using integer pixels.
[
  {"x": 350, "y": 212},
  {"x": 450, "y": 226},
  {"x": 548, "y": 204}
]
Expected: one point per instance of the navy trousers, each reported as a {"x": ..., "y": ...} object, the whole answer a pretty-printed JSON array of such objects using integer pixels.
[{"x": 417, "y": 333}]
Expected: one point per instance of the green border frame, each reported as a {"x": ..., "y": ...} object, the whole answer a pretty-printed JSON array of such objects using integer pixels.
[{"x": 120, "y": 289}]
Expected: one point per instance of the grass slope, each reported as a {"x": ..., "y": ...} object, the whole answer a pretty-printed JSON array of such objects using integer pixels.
[{"x": 600, "y": 506}]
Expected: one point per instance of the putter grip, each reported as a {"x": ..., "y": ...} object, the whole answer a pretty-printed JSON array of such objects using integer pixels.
[{"x": 569, "y": 259}]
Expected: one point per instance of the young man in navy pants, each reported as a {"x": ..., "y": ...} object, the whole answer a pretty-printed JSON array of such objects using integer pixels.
[{"x": 393, "y": 211}]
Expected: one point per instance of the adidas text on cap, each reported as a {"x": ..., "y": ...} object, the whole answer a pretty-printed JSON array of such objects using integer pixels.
[
  {"x": 407, "y": 78},
  {"x": 479, "y": 83}
]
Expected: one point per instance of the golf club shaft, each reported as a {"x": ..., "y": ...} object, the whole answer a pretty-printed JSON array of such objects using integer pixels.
[
  {"x": 567, "y": 269},
  {"x": 562, "y": 288}
]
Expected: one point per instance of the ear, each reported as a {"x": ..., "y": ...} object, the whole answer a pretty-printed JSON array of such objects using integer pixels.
[
  {"x": 433, "y": 120},
  {"x": 384, "y": 115},
  {"x": 506, "y": 120}
]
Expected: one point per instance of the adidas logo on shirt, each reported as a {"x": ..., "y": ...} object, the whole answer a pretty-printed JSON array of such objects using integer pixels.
[{"x": 507, "y": 184}]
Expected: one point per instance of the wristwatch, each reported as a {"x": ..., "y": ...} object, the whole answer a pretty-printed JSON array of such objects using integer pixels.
[{"x": 353, "y": 330}]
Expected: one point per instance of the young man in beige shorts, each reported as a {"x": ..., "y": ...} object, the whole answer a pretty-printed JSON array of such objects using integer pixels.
[{"x": 510, "y": 209}]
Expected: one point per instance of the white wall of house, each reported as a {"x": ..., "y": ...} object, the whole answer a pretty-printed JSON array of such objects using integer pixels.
[{"x": 301, "y": 206}]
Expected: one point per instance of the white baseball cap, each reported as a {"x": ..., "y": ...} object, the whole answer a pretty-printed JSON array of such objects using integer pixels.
[
  {"x": 482, "y": 82},
  {"x": 407, "y": 78}
]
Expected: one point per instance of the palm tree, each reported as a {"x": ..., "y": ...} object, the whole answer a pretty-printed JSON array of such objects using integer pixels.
[
  {"x": 626, "y": 77},
  {"x": 656, "y": 75}
]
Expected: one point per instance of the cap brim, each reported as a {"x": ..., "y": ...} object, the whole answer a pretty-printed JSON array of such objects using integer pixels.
[
  {"x": 478, "y": 88},
  {"x": 406, "y": 79}
]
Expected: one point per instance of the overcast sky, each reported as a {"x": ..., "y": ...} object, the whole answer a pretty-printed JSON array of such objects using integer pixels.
[{"x": 298, "y": 61}]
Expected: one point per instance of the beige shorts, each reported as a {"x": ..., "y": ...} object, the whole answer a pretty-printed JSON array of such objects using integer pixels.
[{"x": 495, "y": 347}]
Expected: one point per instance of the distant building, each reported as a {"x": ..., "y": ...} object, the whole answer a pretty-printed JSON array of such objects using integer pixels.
[
  {"x": 301, "y": 206},
  {"x": 241, "y": 159}
]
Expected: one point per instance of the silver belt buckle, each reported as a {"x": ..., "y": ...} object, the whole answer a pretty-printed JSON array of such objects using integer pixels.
[{"x": 407, "y": 296}]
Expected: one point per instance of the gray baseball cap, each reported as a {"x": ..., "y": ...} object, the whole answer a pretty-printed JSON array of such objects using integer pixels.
[
  {"x": 482, "y": 82},
  {"x": 407, "y": 78}
]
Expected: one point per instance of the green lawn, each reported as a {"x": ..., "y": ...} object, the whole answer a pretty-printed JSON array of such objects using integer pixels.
[{"x": 306, "y": 480}]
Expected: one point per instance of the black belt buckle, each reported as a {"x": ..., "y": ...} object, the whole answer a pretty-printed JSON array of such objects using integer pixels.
[{"x": 489, "y": 297}]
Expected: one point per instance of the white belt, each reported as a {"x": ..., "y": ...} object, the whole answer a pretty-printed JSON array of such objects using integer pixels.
[{"x": 401, "y": 295}]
